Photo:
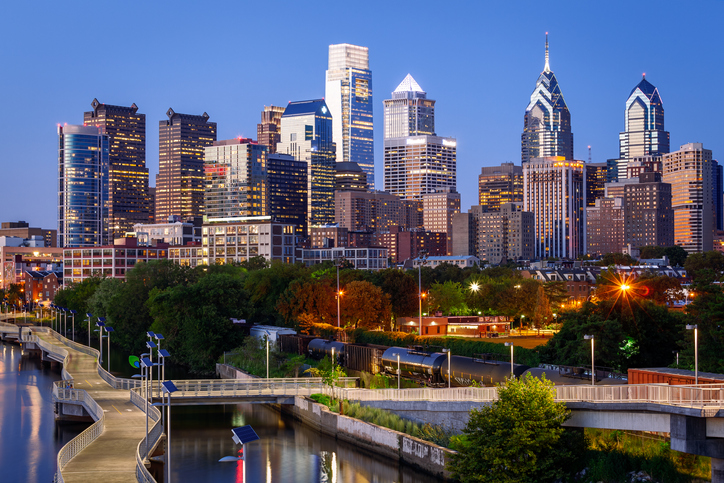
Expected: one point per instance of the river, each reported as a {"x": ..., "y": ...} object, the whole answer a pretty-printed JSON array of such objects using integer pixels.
[{"x": 288, "y": 452}]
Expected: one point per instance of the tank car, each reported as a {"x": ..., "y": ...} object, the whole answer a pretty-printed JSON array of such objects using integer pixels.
[
  {"x": 466, "y": 370},
  {"x": 321, "y": 348},
  {"x": 414, "y": 365}
]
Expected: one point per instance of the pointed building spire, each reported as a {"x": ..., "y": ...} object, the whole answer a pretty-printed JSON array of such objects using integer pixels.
[{"x": 547, "y": 67}]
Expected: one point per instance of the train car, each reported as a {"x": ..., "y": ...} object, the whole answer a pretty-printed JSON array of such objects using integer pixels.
[
  {"x": 466, "y": 370},
  {"x": 563, "y": 378},
  {"x": 414, "y": 365},
  {"x": 321, "y": 348}
]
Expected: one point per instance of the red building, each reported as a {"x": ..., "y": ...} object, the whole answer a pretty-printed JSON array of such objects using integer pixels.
[
  {"x": 470, "y": 326},
  {"x": 41, "y": 285},
  {"x": 407, "y": 244}
]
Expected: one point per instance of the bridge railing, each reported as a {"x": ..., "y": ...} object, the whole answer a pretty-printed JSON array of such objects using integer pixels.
[
  {"x": 475, "y": 394},
  {"x": 694, "y": 396},
  {"x": 256, "y": 387},
  {"x": 154, "y": 434}
]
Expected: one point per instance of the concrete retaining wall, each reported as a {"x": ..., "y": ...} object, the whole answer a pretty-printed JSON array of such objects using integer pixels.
[
  {"x": 386, "y": 442},
  {"x": 225, "y": 371},
  {"x": 452, "y": 415}
]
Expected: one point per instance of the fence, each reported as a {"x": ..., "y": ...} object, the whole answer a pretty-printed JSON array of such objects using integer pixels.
[
  {"x": 256, "y": 387},
  {"x": 154, "y": 434}
]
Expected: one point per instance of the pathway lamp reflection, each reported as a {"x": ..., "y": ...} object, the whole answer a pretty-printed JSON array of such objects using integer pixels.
[
  {"x": 510, "y": 344},
  {"x": 593, "y": 369},
  {"x": 695, "y": 328},
  {"x": 242, "y": 436}
]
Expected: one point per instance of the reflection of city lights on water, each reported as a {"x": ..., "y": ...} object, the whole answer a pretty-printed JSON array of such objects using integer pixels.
[
  {"x": 268, "y": 468},
  {"x": 240, "y": 470}
]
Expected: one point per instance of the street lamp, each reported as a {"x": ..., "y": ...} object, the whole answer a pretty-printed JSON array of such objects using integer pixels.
[
  {"x": 89, "y": 315},
  {"x": 398, "y": 369},
  {"x": 695, "y": 328},
  {"x": 422, "y": 257},
  {"x": 72, "y": 330},
  {"x": 593, "y": 369},
  {"x": 449, "y": 374},
  {"x": 100, "y": 324},
  {"x": 108, "y": 336},
  {"x": 65, "y": 323},
  {"x": 147, "y": 364},
  {"x": 522, "y": 317},
  {"x": 151, "y": 345},
  {"x": 338, "y": 263},
  {"x": 159, "y": 338},
  {"x": 267, "y": 352},
  {"x": 510, "y": 344}
]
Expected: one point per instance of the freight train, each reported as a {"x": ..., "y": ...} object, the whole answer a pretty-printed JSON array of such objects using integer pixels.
[{"x": 440, "y": 368}]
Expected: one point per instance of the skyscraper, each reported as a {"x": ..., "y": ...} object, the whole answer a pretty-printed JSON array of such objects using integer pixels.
[
  {"x": 690, "y": 173},
  {"x": 438, "y": 209},
  {"x": 306, "y": 134},
  {"x": 180, "y": 178},
  {"x": 498, "y": 185},
  {"x": 648, "y": 217},
  {"x": 348, "y": 95},
  {"x": 82, "y": 186},
  {"x": 596, "y": 174},
  {"x": 416, "y": 161},
  {"x": 287, "y": 181},
  {"x": 267, "y": 132},
  {"x": 554, "y": 191},
  {"x": 409, "y": 112},
  {"x": 236, "y": 179},
  {"x": 643, "y": 133},
  {"x": 128, "y": 197},
  {"x": 547, "y": 121}
]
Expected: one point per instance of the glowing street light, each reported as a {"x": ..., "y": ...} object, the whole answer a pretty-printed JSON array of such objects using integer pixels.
[
  {"x": 593, "y": 370},
  {"x": 510, "y": 344},
  {"x": 474, "y": 287},
  {"x": 422, "y": 257},
  {"x": 695, "y": 328}
]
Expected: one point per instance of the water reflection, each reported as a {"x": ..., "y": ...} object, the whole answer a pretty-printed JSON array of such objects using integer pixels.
[
  {"x": 30, "y": 439},
  {"x": 288, "y": 452}
]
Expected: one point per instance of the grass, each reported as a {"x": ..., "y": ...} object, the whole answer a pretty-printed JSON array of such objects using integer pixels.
[
  {"x": 386, "y": 419},
  {"x": 612, "y": 455}
]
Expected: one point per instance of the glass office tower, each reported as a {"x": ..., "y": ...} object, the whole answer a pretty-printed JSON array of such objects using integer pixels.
[
  {"x": 306, "y": 134},
  {"x": 547, "y": 121},
  {"x": 82, "y": 186},
  {"x": 409, "y": 112},
  {"x": 348, "y": 95}
]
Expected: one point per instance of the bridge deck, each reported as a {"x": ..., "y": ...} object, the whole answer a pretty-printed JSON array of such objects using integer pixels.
[{"x": 112, "y": 457}]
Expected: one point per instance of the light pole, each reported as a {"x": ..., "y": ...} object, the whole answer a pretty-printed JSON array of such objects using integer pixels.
[
  {"x": 65, "y": 323},
  {"x": 695, "y": 328},
  {"x": 510, "y": 344},
  {"x": 267, "y": 352},
  {"x": 422, "y": 257},
  {"x": 677, "y": 358},
  {"x": 108, "y": 336},
  {"x": 593, "y": 369},
  {"x": 146, "y": 364},
  {"x": 338, "y": 263},
  {"x": 151, "y": 345},
  {"x": 398, "y": 369},
  {"x": 89, "y": 315},
  {"x": 72, "y": 329},
  {"x": 159, "y": 338},
  {"x": 449, "y": 374},
  {"x": 100, "y": 324},
  {"x": 522, "y": 319},
  {"x": 168, "y": 388}
]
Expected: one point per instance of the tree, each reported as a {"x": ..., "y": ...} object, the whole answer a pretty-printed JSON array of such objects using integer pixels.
[
  {"x": 542, "y": 313},
  {"x": 401, "y": 287},
  {"x": 365, "y": 305},
  {"x": 616, "y": 259},
  {"x": 518, "y": 438},
  {"x": 329, "y": 371},
  {"x": 705, "y": 267},
  {"x": 255, "y": 263},
  {"x": 314, "y": 298},
  {"x": 76, "y": 296},
  {"x": 677, "y": 255},
  {"x": 652, "y": 251},
  {"x": 447, "y": 297},
  {"x": 707, "y": 311}
]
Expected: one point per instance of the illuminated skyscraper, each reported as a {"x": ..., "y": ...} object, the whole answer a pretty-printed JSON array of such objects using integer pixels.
[
  {"x": 129, "y": 201},
  {"x": 409, "y": 112},
  {"x": 554, "y": 191},
  {"x": 287, "y": 181},
  {"x": 547, "y": 121},
  {"x": 82, "y": 186},
  {"x": 644, "y": 133},
  {"x": 180, "y": 179},
  {"x": 236, "y": 179},
  {"x": 595, "y": 182},
  {"x": 306, "y": 134},
  {"x": 498, "y": 185},
  {"x": 348, "y": 95},
  {"x": 267, "y": 132}
]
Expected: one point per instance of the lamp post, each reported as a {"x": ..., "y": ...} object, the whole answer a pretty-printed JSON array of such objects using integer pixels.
[
  {"x": 338, "y": 263},
  {"x": 398, "y": 369},
  {"x": 65, "y": 323},
  {"x": 593, "y": 369},
  {"x": 89, "y": 315},
  {"x": 449, "y": 374},
  {"x": 108, "y": 336},
  {"x": 159, "y": 338},
  {"x": 422, "y": 257},
  {"x": 267, "y": 352},
  {"x": 522, "y": 319},
  {"x": 695, "y": 328},
  {"x": 168, "y": 388},
  {"x": 72, "y": 329},
  {"x": 677, "y": 358},
  {"x": 510, "y": 344},
  {"x": 151, "y": 345},
  {"x": 146, "y": 363},
  {"x": 100, "y": 324}
]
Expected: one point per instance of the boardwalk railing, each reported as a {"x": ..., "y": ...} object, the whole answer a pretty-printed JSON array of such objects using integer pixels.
[
  {"x": 474, "y": 394},
  {"x": 154, "y": 434}
]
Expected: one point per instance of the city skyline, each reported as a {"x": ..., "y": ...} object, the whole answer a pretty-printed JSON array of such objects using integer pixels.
[{"x": 595, "y": 65}]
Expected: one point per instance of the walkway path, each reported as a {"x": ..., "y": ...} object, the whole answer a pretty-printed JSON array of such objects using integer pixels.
[{"x": 112, "y": 457}]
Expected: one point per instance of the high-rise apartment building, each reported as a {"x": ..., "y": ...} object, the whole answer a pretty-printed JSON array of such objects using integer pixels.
[
  {"x": 128, "y": 198},
  {"x": 554, "y": 191},
  {"x": 438, "y": 209},
  {"x": 547, "y": 121},
  {"x": 689, "y": 171},
  {"x": 498, "y": 185},
  {"x": 350, "y": 177},
  {"x": 180, "y": 179},
  {"x": 409, "y": 112},
  {"x": 605, "y": 226},
  {"x": 287, "y": 182},
  {"x": 648, "y": 217},
  {"x": 416, "y": 165},
  {"x": 348, "y": 94},
  {"x": 268, "y": 131},
  {"x": 82, "y": 186},
  {"x": 376, "y": 211},
  {"x": 643, "y": 133},
  {"x": 595, "y": 182},
  {"x": 306, "y": 134},
  {"x": 235, "y": 179}
]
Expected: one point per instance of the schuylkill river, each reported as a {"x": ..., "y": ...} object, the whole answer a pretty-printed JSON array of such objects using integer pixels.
[{"x": 288, "y": 451}]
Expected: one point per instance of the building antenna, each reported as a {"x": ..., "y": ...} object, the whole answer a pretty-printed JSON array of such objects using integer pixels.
[
  {"x": 589, "y": 154},
  {"x": 547, "y": 67}
]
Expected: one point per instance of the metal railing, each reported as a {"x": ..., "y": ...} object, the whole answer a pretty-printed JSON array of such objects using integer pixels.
[
  {"x": 472, "y": 394},
  {"x": 154, "y": 434},
  {"x": 255, "y": 387}
]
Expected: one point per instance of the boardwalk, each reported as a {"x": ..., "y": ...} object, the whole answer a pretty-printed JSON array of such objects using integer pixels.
[{"x": 112, "y": 457}]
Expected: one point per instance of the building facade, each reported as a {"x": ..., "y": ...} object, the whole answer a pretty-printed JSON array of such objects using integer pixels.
[
  {"x": 128, "y": 198},
  {"x": 376, "y": 211},
  {"x": 408, "y": 244},
  {"x": 596, "y": 178},
  {"x": 287, "y": 183},
  {"x": 438, "y": 210},
  {"x": 689, "y": 172},
  {"x": 348, "y": 94},
  {"x": 505, "y": 235},
  {"x": 350, "y": 177},
  {"x": 648, "y": 216},
  {"x": 547, "y": 121},
  {"x": 362, "y": 258},
  {"x": 42, "y": 285},
  {"x": 268, "y": 132},
  {"x": 235, "y": 183},
  {"x": 409, "y": 112},
  {"x": 175, "y": 232},
  {"x": 605, "y": 226},
  {"x": 180, "y": 179},
  {"x": 554, "y": 192},
  {"x": 307, "y": 136},
  {"x": 16, "y": 260},
  {"x": 82, "y": 186},
  {"x": 22, "y": 229},
  {"x": 498, "y": 185}
]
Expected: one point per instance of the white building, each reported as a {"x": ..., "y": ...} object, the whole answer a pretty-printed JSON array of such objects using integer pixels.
[
  {"x": 174, "y": 232},
  {"x": 362, "y": 258}
]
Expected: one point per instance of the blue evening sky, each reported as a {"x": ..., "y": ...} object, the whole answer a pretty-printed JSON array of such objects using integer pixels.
[{"x": 479, "y": 61}]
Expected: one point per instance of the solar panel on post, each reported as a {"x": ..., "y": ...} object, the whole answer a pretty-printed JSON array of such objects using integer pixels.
[{"x": 244, "y": 434}]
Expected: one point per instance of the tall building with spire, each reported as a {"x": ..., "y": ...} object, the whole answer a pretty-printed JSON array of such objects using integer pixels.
[
  {"x": 129, "y": 201},
  {"x": 348, "y": 94},
  {"x": 547, "y": 121},
  {"x": 409, "y": 112}
]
